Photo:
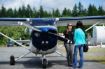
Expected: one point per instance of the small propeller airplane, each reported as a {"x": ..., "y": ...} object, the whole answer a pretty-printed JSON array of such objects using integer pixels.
[{"x": 43, "y": 32}]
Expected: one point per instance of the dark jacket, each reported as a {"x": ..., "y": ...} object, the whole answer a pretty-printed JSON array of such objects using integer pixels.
[{"x": 69, "y": 35}]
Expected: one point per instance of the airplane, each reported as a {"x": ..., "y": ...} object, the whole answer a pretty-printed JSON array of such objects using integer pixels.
[{"x": 43, "y": 32}]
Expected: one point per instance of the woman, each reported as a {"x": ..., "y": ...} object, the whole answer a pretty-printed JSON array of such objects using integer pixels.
[
  {"x": 79, "y": 41},
  {"x": 68, "y": 33}
]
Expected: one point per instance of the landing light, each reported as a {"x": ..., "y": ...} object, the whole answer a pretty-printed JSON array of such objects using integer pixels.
[
  {"x": 42, "y": 42},
  {"x": 46, "y": 42}
]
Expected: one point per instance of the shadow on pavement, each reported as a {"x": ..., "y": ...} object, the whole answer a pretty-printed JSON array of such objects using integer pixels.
[{"x": 36, "y": 62}]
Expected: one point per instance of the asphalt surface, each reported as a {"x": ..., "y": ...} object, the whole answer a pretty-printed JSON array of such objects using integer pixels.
[{"x": 34, "y": 62}]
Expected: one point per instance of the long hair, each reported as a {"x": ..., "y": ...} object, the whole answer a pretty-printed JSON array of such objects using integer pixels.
[{"x": 79, "y": 25}]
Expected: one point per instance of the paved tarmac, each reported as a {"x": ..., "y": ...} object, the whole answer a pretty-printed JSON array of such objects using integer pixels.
[{"x": 33, "y": 62}]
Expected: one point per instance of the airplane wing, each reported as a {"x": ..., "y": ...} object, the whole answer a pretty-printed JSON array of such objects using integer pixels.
[
  {"x": 87, "y": 20},
  {"x": 15, "y": 21},
  {"x": 24, "y": 21},
  {"x": 63, "y": 21},
  {"x": 12, "y": 21}
]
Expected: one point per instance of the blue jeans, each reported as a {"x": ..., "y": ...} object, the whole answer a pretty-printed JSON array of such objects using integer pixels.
[{"x": 76, "y": 48}]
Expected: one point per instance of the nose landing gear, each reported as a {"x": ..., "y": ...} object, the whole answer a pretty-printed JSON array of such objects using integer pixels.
[
  {"x": 12, "y": 60},
  {"x": 44, "y": 62}
]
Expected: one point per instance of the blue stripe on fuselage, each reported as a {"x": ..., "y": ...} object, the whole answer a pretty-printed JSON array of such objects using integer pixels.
[{"x": 45, "y": 29}]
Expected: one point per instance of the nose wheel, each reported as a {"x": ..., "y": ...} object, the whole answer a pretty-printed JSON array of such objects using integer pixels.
[
  {"x": 44, "y": 63},
  {"x": 12, "y": 60}
]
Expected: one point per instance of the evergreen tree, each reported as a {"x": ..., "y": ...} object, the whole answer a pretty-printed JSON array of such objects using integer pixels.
[
  {"x": 57, "y": 13},
  {"x": 3, "y": 12},
  {"x": 75, "y": 11},
  {"x": 41, "y": 12},
  {"x": 100, "y": 10},
  {"x": 15, "y": 13},
  {"x": 64, "y": 13},
  {"x": 92, "y": 10},
  {"x": 53, "y": 13},
  {"x": 10, "y": 12},
  {"x": 95, "y": 11},
  {"x": 69, "y": 12},
  {"x": 84, "y": 13},
  {"x": 34, "y": 13},
  {"x": 23, "y": 11},
  {"x": 29, "y": 12},
  {"x": 80, "y": 9},
  {"x": 19, "y": 12}
]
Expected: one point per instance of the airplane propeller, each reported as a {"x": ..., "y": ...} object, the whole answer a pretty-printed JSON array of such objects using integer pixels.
[{"x": 49, "y": 33}]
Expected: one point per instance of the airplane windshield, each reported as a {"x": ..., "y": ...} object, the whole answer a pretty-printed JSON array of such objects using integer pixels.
[{"x": 42, "y": 22}]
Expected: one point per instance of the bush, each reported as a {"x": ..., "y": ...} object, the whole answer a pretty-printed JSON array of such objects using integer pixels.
[{"x": 15, "y": 32}]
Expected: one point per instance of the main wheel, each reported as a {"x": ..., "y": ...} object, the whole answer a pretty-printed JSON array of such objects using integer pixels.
[
  {"x": 12, "y": 60},
  {"x": 44, "y": 63}
]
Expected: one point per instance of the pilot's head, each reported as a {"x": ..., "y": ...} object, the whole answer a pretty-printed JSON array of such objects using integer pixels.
[{"x": 69, "y": 26}]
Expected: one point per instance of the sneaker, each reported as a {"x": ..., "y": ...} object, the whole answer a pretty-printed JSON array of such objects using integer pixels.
[
  {"x": 80, "y": 67},
  {"x": 70, "y": 65}
]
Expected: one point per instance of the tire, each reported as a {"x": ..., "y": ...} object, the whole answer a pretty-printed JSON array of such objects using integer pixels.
[
  {"x": 44, "y": 63},
  {"x": 12, "y": 60}
]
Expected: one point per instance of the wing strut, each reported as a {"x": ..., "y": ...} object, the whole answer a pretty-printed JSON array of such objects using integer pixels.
[{"x": 13, "y": 40}]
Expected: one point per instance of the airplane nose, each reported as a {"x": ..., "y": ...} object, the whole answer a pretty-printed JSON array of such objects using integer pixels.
[{"x": 43, "y": 40}]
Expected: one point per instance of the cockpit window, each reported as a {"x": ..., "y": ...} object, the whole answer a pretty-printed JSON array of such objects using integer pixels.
[{"x": 42, "y": 22}]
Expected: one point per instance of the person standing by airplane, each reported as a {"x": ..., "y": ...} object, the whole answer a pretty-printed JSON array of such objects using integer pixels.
[
  {"x": 79, "y": 41},
  {"x": 68, "y": 33}
]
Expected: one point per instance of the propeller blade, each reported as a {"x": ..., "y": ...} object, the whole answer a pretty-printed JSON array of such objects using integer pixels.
[
  {"x": 29, "y": 26},
  {"x": 36, "y": 29}
]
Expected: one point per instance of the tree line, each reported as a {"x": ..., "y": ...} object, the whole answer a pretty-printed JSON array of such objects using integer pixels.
[{"x": 27, "y": 11}]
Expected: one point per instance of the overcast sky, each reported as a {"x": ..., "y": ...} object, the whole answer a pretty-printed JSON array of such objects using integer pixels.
[{"x": 50, "y": 4}]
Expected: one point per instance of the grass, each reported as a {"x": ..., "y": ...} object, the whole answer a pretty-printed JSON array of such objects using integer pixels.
[
  {"x": 96, "y": 50},
  {"x": 95, "y": 54}
]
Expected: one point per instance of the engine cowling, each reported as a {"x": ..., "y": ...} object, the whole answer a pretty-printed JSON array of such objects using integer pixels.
[{"x": 43, "y": 41}]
